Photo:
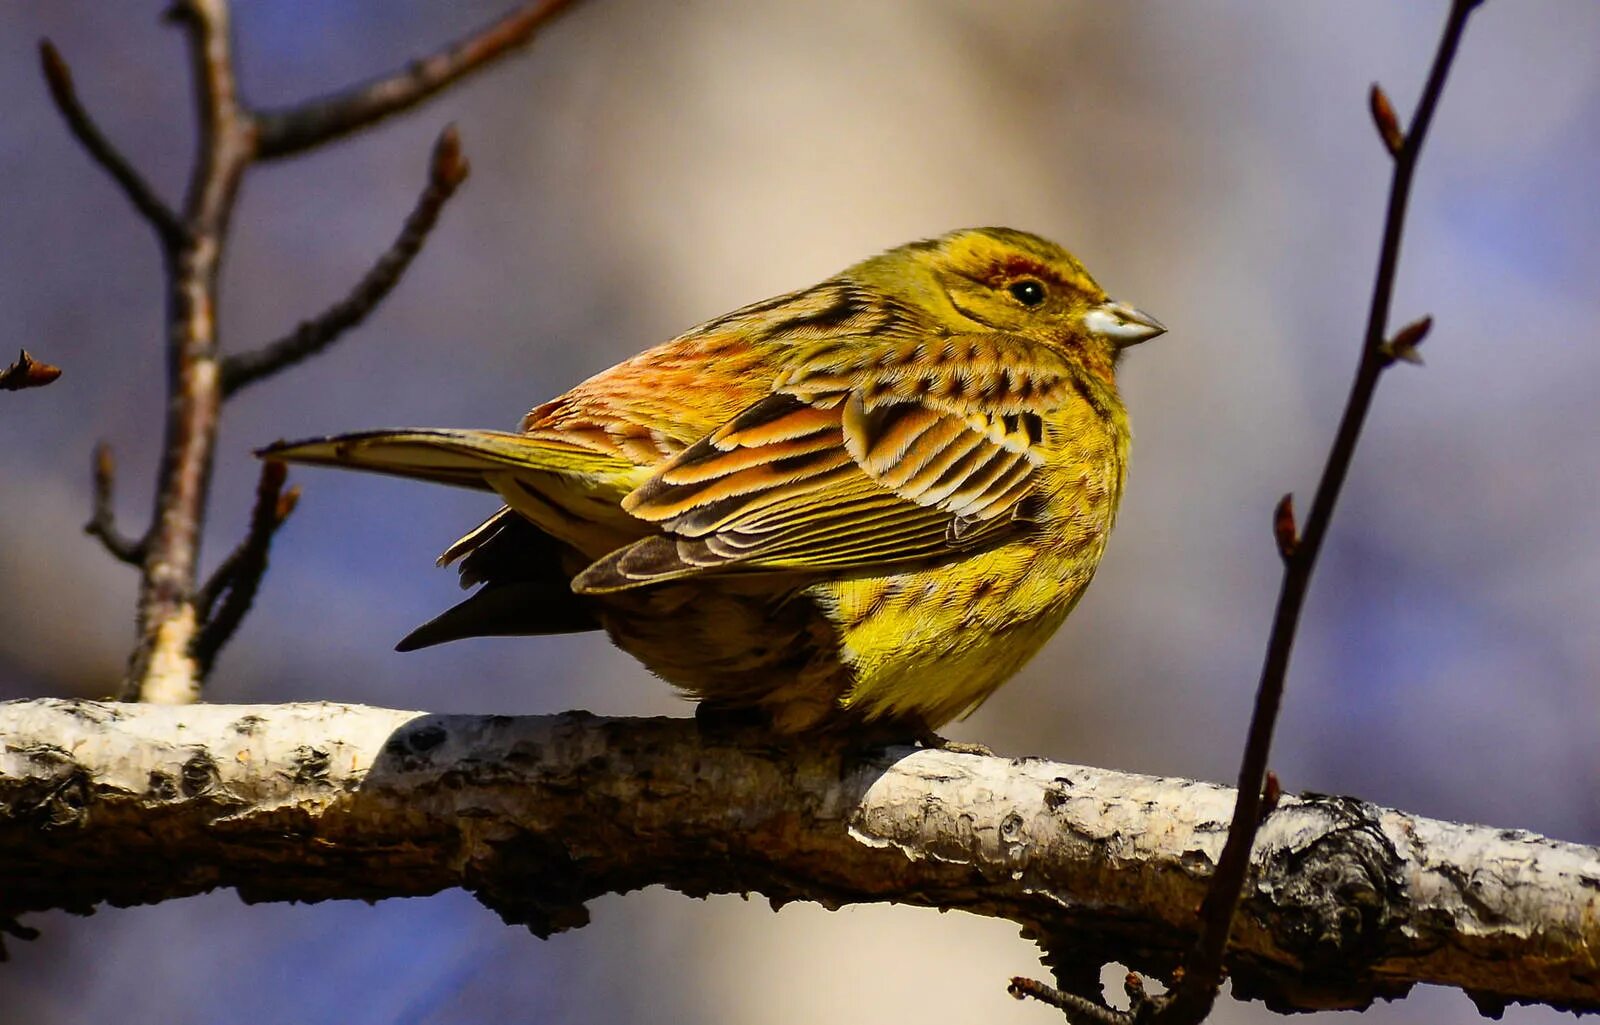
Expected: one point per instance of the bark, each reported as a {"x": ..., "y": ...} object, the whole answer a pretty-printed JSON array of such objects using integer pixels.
[{"x": 1347, "y": 902}]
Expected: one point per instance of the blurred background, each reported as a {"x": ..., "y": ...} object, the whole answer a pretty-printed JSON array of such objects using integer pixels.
[{"x": 646, "y": 166}]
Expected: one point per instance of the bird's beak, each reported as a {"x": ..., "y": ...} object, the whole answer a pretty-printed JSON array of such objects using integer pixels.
[{"x": 1121, "y": 324}]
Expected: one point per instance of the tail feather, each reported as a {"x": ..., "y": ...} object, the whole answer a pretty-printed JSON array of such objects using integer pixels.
[
  {"x": 525, "y": 589},
  {"x": 459, "y": 457},
  {"x": 521, "y": 608}
]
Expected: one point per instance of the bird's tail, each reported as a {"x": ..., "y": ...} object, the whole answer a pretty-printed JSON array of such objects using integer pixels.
[{"x": 464, "y": 458}]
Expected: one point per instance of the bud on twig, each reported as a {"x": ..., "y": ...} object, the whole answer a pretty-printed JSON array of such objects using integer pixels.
[
  {"x": 27, "y": 372},
  {"x": 1284, "y": 530},
  {"x": 448, "y": 168},
  {"x": 1271, "y": 794},
  {"x": 286, "y": 503},
  {"x": 105, "y": 467},
  {"x": 1403, "y": 346},
  {"x": 1388, "y": 122}
]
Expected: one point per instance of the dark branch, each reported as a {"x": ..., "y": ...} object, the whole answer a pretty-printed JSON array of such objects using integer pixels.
[
  {"x": 447, "y": 169},
  {"x": 294, "y": 129},
  {"x": 1192, "y": 999},
  {"x": 138, "y": 191},
  {"x": 235, "y": 582},
  {"x": 16, "y": 930},
  {"x": 1195, "y": 991},
  {"x": 1079, "y": 1010},
  {"x": 103, "y": 522},
  {"x": 27, "y": 372}
]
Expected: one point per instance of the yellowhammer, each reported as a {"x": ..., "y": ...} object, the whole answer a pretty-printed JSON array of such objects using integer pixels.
[{"x": 869, "y": 501}]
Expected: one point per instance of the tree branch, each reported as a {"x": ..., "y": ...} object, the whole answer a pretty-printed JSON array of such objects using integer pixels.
[
  {"x": 447, "y": 169},
  {"x": 292, "y": 130},
  {"x": 162, "y": 667},
  {"x": 102, "y": 802},
  {"x": 144, "y": 199}
]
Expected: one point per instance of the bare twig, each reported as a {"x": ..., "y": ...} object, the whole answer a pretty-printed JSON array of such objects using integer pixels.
[
  {"x": 447, "y": 169},
  {"x": 9, "y": 926},
  {"x": 27, "y": 372},
  {"x": 1192, "y": 996},
  {"x": 294, "y": 129},
  {"x": 169, "y": 661},
  {"x": 138, "y": 191},
  {"x": 1191, "y": 1000},
  {"x": 103, "y": 523},
  {"x": 282, "y": 505},
  {"x": 239, "y": 576},
  {"x": 1078, "y": 1010}
]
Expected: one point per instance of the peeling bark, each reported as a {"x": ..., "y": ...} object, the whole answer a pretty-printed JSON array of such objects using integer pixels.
[{"x": 131, "y": 804}]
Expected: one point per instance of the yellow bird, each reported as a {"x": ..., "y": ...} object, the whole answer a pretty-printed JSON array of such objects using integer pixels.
[{"x": 866, "y": 502}]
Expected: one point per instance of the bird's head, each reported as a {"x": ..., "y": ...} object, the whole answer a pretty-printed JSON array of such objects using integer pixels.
[{"x": 1001, "y": 279}]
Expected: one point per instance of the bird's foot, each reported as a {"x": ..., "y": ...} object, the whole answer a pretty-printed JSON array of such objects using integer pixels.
[{"x": 933, "y": 742}]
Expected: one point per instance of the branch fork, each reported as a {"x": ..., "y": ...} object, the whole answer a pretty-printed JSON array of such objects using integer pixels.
[{"x": 182, "y": 624}]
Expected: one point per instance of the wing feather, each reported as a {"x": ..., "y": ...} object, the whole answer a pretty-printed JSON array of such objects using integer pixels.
[{"x": 862, "y": 455}]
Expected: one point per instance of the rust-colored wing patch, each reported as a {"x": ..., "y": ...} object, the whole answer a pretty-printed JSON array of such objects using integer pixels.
[{"x": 863, "y": 454}]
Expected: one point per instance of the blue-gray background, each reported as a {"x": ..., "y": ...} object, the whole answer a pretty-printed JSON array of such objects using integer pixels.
[{"x": 649, "y": 165}]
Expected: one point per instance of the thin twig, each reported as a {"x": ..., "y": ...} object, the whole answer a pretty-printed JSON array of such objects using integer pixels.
[
  {"x": 447, "y": 169},
  {"x": 103, "y": 523},
  {"x": 27, "y": 372},
  {"x": 227, "y": 572},
  {"x": 291, "y": 130},
  {"x": 171, "y": 657},
  {"x": 1191, "y": 1000},
  {"x": 239, "y": 576},
  {"x": 9, "y": 926},
  {"x": 139, "y": 192},
  {"x": 1078, "y": 1010}
]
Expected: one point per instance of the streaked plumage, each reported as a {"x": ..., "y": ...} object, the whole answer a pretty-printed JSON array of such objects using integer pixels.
[{"x": 868, "y": 501}]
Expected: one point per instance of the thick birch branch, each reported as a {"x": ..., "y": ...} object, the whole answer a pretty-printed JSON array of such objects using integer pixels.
[{"x": 129, "y": 804}]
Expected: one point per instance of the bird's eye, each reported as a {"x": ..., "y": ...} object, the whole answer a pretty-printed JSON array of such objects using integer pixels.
[{"x": 1028, "y": 292}]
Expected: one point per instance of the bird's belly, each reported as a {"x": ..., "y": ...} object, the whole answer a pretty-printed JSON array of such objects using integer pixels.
[
  {"x": 737, "y": 643},
  {"x": 919, "y": 647},
  {"x": 933, "y": 644}
]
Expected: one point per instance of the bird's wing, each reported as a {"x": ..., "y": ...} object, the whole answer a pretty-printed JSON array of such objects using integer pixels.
[{"x": 906, "y": 449}]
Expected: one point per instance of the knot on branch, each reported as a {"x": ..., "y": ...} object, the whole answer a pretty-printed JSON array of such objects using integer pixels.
[
  {"x": 534, "y": 881},
  {"x": 1328, "y": 895},
  {"x": 56, "y": 796}
]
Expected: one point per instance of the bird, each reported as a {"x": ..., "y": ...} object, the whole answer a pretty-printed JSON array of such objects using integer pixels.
[{"x": 860, "y": 505}]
